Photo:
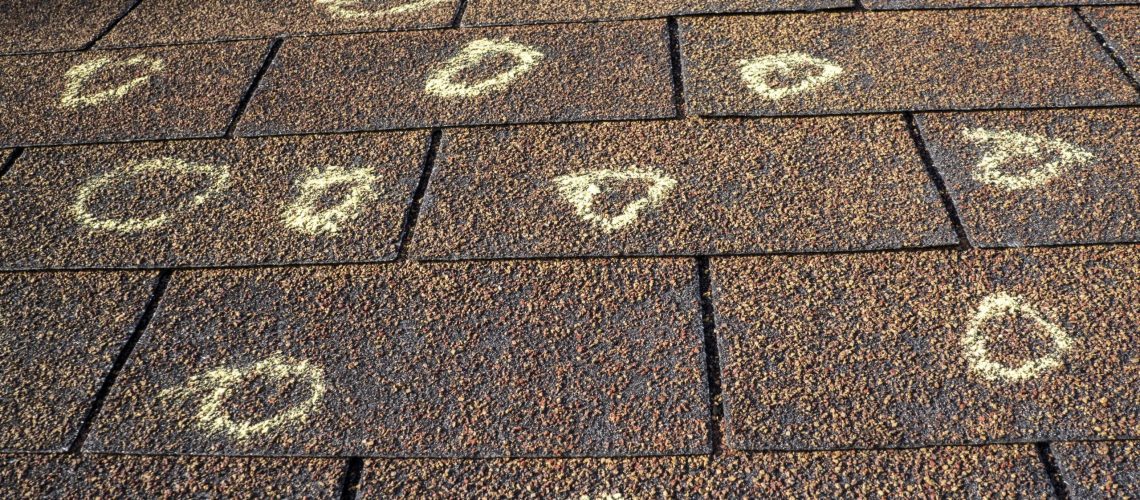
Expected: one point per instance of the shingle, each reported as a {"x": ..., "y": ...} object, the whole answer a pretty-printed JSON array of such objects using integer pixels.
[
  {"x": 48, "y": 25},
  {"x": 1121, "y": 28},
  {"x": 680, "y": 188},
  {"x": 1100, "y": 469},
  {"x": 1040, "y": 177},
  {"x": 169, "y": 21},
  {"x": 952, "y": 4},
  {"x": 462, "y": 77},
  {"x": 493, "y": 12},
  {"x": 96, "y": 96},
  {"x": 109, "y": 476},
  {"x": 61, "y": 334},
  {"x": 927, "y": 348},
  {"x": 890, "y": 61},
  {"x": 564, "y": 358},
  {"x": 210, "y": 203},
  {"x": 988, "y": 471}
]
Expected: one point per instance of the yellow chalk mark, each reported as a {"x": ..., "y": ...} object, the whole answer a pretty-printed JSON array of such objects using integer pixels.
[
  {"x": 978, "y": 356},
  {"x": 80, "y": 73},
  {"x": 603, "y": 496},
  {"x": 214, "y": 387},
  {"x": 351, "y": 9},
  {"x": 580, "y": 190},
  {"x": 756, "y": 73},
  {"x": 303, "y": 215},
  {"x": 1004, "y": 145},
  {"x": 219, "y": 174},
  {"x": 442, "y": 82}
]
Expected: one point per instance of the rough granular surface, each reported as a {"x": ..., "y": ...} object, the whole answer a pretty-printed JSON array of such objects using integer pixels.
[
  {"x": 120, "y": 95},
  {"x": 47, "y": 25},
  {"x": 179, "y": 21},
  {"x": 1121, "y": 29},
  {"x": 1040, "y": 177},
  {"x": 888, "y": 61},
  {"x": 1100, "y": 469},
  {"x": 986, "y": 471},
  {"x": 210, "y": 203},
  {"x": 108, "y": 476},
  {"x": 568, "y": 358},
  {"x": 673, "y": 187},
  {"x": 484, "y": 12},
  {"x": 61, "y": 334},
  {"x": 460, "y": 77},
  {"x": 928, "y": 348},
  {"x": 956, "y": 4}
]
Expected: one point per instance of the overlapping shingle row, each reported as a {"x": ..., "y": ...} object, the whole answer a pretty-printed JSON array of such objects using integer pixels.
[{"x": 536, "y": 259}]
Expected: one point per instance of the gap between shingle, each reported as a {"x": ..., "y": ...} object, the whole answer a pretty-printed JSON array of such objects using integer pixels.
[
  {"x": 939, "y": 182},
  {"x": 1045, "y": 453},
  {"x": 274, "y": 46},
  {"x": 712, "y": 355},
  {"x": 1108, "y": 48},
  {"x": 411, "y": 216}
]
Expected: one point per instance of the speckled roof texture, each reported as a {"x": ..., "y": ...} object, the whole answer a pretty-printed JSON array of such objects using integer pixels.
[{"x": 552, "y": 249}]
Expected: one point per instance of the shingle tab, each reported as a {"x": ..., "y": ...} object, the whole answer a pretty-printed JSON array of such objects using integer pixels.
[
  {"x": 988, "y": 471},
  {"x": 171, "y": 21},
  {"x": 62, "y": 333},
  {"x": 1040, "y": 177},
  {"x": 892, "y": 61},
  {"x": 565, "y": 358},
  {"x": 957, "y": 4},
  {"x": 107, "y": 476},
  {"x": 119, "y": 95},
  {"x": 49, "y": 25},
  {"x": 462, "y": 77},
  {"x": 1100, "y": 469},
  {"x": 1121, "y": 28},
  {"x": 210, "y": 203},
  {"x": 927, "y": 348},
  {"x": 680, "y": 188},
  {"x": 492, "y": 12}
]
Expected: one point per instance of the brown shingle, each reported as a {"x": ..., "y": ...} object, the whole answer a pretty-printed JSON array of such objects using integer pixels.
[
  {"x": 490, "y": 12},
  {"x": 49, "y": 25},
  {"x": 1121, "y": 28},
  {"x": 1100, "y": 469}
]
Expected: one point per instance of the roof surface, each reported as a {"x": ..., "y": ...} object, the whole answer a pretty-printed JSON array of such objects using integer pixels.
[{"x": 597, "y": 250}]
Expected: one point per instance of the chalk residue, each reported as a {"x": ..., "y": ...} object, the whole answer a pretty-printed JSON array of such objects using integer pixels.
[
  {"x": 1003, "y": 146},
  {"x": 580, "y": 190},
  {"x": 213, "y": 388},
  {"x": 77, "y": 76},
  {"x": 303, "y": 213},
  {"x": 978, "y": 356},
  {"x": 757, "y": 71},
  {"x": 351, "y": 9},
  {"x": 219, "y": 180},
  {"x": 441, "y": 82}
]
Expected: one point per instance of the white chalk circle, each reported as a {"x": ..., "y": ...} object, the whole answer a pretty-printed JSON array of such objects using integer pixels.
[
  {"x": 219, "y": 176},
  {"x": 211, "y": 389},
  {"x": 352, "y": 9},
  {"x": 441, "y": 82},
  {"x": 303, "y": 213},
  {"x": 756, "y": 73},
  {"x": 580, "y": 190},
  {"x": 976, "y": 352},
  {"x": 73, "y": 93},
  {"x": 1004, "y": 146}
]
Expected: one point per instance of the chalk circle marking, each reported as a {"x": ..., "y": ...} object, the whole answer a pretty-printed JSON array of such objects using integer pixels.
[
  {"x": 219, "y": 182},
  {"x": 976, "y": 352},
  {"x": 303, "y": 215},
  {"x": 212, "y": 389},
  {"x": 441, "y": 82},
  {"x": 351, "y": 9},
  {"x": 1004, "y": 145},
  {"x": 581, "y": 189},
  {"x": 756, "y": 71},
  {"x": 77, "y": 76}
]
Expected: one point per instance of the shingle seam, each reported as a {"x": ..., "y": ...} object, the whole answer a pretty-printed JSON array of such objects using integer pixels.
[
  {"x": 1108, "y": 48},
  {"x": 675, "y": 65},
  {"x": 712, "y": 355},
  {"x": 114, "y": 22},
  {"x": 460, "y": 9},
  {"x": 412, "y": 214},
  {"x": 10, "y": 161},
  {"x": 939, "y": 182},
  {"x": 1049, "y": 462},
  {"x": 353, "y": 469},
  {"x": 149, "y": 309},
  {"x": 270, "y": 55}
]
